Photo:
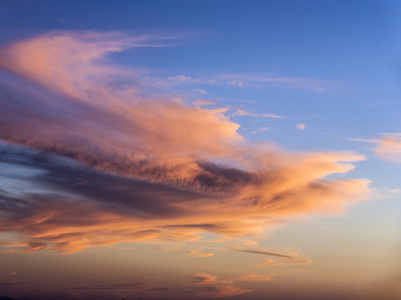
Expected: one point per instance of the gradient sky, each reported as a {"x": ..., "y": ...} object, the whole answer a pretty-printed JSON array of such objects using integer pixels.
[{"x": 200, "y": 150}]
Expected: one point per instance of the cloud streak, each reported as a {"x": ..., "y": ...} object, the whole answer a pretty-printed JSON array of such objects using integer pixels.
[
  {"x": 241, "y": 112},
  {"x": 200, "y": 254},
  {"x": 255, "y": 81},
  {"x": 388, "y": 146},
  {"x": 114, "y": 163},
  {"x": 261, "y": 252},
  {"x": 249, "y": 80},
  {"x": 284, "y": 259}
]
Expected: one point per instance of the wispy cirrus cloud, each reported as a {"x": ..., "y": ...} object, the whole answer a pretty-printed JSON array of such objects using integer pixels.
[
  {"x": 256, "y": 81},
  {"x": 263, "y": 252},
  {"x": 260, "y": 129},
  {"x": 241, "y": 112},
  {"x": 200, "y": 91},
  {"x": 388, "y": 146},
  {"x": 116, "y": 164}
]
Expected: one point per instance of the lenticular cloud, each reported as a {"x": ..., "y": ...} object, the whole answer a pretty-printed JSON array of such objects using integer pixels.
[{"x": 111, "y": 162}]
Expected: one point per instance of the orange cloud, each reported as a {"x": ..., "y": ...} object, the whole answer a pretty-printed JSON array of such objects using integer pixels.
[
  {"x": 250, "y": 277},
  {"x": 211, "y": 287},
  {"x": 121, "y": 164},
  {"x": 200, "y": 254},
  {"x": 203, "y": 279},
  {"x": 271, "y": 262}
]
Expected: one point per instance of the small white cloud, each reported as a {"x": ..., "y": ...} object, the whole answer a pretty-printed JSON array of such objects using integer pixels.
[{"x": 300, "y": 126}]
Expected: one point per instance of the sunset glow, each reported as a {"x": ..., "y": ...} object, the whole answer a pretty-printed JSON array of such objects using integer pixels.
[{"x": 200, "y": 150}]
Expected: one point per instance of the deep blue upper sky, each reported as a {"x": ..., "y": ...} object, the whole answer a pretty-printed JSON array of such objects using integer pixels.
[{"x": 315, "y": 38}]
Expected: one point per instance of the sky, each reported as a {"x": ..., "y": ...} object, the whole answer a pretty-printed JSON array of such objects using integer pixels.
[{"x": 200, "y": 150}]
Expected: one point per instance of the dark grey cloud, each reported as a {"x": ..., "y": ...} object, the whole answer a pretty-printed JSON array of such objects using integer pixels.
[
  {"x": 261, "y": 252},
  {"x": 136, "y": 197}
]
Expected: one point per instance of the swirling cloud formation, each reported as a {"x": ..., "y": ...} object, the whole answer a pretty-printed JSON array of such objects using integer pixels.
[{"x": 108, "y": 160}]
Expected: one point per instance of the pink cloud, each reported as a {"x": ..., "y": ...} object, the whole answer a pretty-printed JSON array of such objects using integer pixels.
[
  {"x": 300, "y": 126},
  {"x": 119, "y": 165},
  {"x": 389, "y": 147}
]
